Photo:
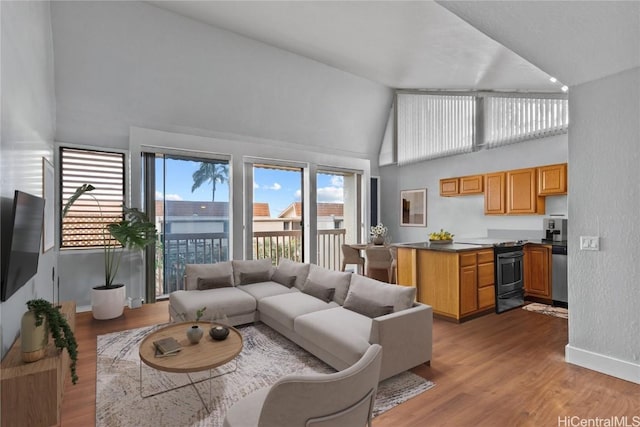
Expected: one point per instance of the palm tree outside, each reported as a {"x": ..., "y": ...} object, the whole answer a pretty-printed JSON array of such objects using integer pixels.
[{"x": 210, "y": 172}]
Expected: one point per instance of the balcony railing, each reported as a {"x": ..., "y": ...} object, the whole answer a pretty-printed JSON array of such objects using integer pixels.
[{"x": 208, "y": 248}]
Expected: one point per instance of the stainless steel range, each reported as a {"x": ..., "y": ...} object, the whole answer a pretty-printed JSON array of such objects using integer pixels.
[
  {"x": 509, "y": 275},
  {"x": 509, "y": 271}
]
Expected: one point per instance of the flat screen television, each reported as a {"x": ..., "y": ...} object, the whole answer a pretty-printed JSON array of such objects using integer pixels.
[{"x": 21, "y": 242}]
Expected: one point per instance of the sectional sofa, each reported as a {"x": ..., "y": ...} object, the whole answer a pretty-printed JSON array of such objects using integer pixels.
[{"x": 334, "y": 315}]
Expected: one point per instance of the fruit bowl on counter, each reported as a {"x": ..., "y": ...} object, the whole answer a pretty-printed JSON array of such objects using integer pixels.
[{"x": 441, "y": 237}]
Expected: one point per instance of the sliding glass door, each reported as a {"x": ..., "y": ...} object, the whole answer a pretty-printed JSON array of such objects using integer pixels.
[
  {"x": 191, "y": 215},
  {"x": 278, "y": 212}
]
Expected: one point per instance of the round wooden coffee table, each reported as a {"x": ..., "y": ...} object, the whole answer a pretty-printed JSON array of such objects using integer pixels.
[{"x": 206, "y": 355}]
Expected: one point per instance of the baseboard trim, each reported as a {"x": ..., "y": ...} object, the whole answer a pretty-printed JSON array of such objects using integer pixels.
[{"x": 605, "y": 364}]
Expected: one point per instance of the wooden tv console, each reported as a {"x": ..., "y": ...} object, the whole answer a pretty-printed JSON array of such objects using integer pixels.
[{"x": 32, "y": 392}]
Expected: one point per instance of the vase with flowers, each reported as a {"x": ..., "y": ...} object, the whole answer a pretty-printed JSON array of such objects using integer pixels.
[{"x": 378, "y": 233}]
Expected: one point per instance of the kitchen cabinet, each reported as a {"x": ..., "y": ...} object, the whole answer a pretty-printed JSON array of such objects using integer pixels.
[
  {"x": 462, "y": 186},
  {"x": 449, "y": 187},
  {"x": 522, "y": 194},
  {"x": 457, "y": 285},
  {"x": 494, "y": 193},
  {"x": 472, "y": 184},
  {"x": 537, "y": 271},
  {"x": 552, "y": 180}
]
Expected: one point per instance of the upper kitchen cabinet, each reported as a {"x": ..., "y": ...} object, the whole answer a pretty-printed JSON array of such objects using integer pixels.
[
  {"x": 552, "y": 180},
  {"x": 462, "y": 186},
  {"x": 472, "y": 184},
  {"x": 522, "y": 194},
  {"x": 494, "y": 200},
  {"x": 449, "y": 187}
]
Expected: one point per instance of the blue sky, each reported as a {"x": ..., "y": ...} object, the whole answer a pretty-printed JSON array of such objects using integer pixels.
[{"x": 279, "y": 188}]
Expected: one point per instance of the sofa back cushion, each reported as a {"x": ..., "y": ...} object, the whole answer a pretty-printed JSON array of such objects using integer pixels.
[
  {"x": 216, "y": 273},
  {"x": 384, "y": 294},
  {"x": 288, "y": 268},
  {"x": 366, "y": 306},
  {"x": 215, "y": 282},
  {"x": 279, "y": 276},
  {"x": 254, "y": 266},
  {"x": 318, "y": 290},
  {"x": 331, "y": 279}
]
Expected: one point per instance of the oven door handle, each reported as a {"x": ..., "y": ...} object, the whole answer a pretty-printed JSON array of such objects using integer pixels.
[{"x": 516, "y": 254}]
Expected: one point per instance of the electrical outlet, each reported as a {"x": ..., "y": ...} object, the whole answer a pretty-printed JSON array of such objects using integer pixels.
[{"x": 589, "y": 243}]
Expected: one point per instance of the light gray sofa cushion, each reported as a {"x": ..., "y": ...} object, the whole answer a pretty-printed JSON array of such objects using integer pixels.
[
  {"x": 265, "y": 289},
  {"x": 344, "y": 332},
  {"x": 319, "y": 290},
  {"x": 192, "y": 272},
  {"x": 230, "y": 301},
  {"x": 400, "y": 297},
  {"x": 286, "y": 267},
  {"x": 251, "y": 266},
  {"x": 331, "y": 279},
  {"x": 281, "y": 277},
  {"x": 286, "y": 307}
]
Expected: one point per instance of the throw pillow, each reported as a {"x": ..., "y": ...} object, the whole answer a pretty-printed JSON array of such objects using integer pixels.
[
  {"x": 193, "y": 271},
  {"x": 319, "y": 291},
  {"x": 251, "y": 266},
  {"x": 281, "y": 277},
  {"x": 256, "y": 277},
  {"x": 292, "y": 268},
  {"x": 215, "y": 282},
  {"x": 338, "y": 279},
  {"x": 365, "y": 306}
]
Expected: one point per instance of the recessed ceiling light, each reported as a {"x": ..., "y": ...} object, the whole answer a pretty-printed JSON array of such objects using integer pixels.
[
  {"x": 553, "y": 79},
  {"x": 565, "y": 88}
]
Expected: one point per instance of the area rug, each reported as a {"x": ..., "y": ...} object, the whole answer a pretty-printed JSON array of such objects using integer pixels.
[
  {"x": 547, "y": 309},
  {"x": 266, "y": 357}
]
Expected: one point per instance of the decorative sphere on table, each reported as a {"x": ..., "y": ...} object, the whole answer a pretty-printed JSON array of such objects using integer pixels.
[{"x": 219, "y": 332}]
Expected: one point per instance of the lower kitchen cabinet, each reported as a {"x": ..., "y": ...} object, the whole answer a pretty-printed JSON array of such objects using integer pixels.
[
  {"x": 537, "y": 271},
  {"x": 457, "y": 285}
]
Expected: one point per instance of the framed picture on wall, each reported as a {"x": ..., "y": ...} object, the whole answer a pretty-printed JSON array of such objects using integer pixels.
[{"x": 413, "y": 208}]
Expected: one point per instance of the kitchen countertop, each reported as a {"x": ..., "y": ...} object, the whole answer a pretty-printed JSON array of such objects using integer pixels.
[{"x": 444, "y": 247}]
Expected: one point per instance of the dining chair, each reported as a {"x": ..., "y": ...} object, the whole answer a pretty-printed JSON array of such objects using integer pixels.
[
  {"x": 351, "y": 256},
  {"x": 379, "y": 258},
  {"x": 393, "y": 272}
]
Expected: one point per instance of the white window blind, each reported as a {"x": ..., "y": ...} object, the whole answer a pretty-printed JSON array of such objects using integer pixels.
[
  {"x": 84, "y": 225},
  {"x": 431, "y": 126},
  {"x": 515, "y": 119}
]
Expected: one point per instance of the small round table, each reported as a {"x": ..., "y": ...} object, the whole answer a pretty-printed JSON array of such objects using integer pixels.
[{"x": 206, "y": 355}]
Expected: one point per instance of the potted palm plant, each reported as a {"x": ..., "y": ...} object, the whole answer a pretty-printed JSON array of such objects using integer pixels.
[{"x": 134, "y": 232}]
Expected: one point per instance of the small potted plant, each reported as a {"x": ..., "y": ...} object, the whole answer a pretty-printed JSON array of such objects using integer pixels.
[
  {"x": 43, "y": 313},
  {"x": 194, "y": 333}
]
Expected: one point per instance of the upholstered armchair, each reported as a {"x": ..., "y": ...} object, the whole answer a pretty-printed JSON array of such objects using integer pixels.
[
  {"x": 341, "y": 399},
  {"x": 352, "y": 256}
]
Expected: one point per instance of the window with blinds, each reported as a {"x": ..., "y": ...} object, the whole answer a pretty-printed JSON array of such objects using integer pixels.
[
  {"x": 431, "y": 126},
  {"x": 84, "y": 226},
  {"x": 514, "y": 119}
]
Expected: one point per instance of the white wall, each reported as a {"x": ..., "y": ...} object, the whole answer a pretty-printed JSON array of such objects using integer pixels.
[
  {"x": 120, "y": 64},
  {"x": 28, "y": 126},
  {"x": 604, "y": 154},
  {"x": 130, "y": 63},
  {"x": 464, "y": 216}
]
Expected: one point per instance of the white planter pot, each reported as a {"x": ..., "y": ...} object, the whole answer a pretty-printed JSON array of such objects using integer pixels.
[{"x": 108, "y": 303}]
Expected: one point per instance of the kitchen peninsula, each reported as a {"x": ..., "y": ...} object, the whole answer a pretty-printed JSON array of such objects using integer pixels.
[{"x": 456, "y": 279}]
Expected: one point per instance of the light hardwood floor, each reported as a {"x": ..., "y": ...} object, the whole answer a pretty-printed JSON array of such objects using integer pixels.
[{"x": 497, "y": 370}]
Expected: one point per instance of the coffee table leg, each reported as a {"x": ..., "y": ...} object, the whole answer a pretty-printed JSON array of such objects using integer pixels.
[{"x": 190, "y": 383}]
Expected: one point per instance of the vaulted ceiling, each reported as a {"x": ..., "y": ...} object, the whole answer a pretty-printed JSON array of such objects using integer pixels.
[{"x": 415, "y": 44}]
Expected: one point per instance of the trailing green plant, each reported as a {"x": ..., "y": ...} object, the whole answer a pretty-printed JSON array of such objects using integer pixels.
[
  {"x": 59, "y": 328},
  {"x": 200, "y": 313},
  {"x": 133, "y": 231}
]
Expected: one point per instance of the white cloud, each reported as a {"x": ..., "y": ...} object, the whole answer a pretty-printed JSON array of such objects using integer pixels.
[
  {"x": 274, "y": 187},
  {"x": 331, "y": 194},
  {"x": 298, "y": 195},
  {"x": 255, "y": 185},
  {"x": 337, "y": 181},
  {"x": 175, "y": 197}
]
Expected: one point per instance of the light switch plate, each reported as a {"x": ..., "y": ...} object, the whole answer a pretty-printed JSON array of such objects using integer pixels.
[{"x": 589, "y": 243}]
